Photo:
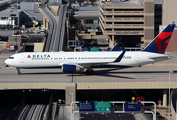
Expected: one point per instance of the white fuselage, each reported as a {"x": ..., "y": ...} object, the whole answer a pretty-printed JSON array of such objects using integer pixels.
[
  {"x": 57, "y": 59},
  {"x": 138, "y": 58},
  {"x": 83, "y": 59}
]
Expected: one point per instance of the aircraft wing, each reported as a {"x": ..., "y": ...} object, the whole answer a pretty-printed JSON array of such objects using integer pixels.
[{"x": 88, "y": 64}]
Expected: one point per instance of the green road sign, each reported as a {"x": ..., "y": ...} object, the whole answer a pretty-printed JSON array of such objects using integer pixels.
[
  {"x": 94, "y": 49},
  {"x": 102, "y": 106},
  {"x": 93, "y": 28}
]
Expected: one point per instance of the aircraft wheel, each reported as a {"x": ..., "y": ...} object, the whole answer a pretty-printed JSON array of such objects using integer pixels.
[
  {"x": 88, "y": 72},
  {"x": 19, "y": 73}
]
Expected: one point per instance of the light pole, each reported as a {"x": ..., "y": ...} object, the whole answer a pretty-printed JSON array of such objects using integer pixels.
[
  {"x": 16, "y": 36},
  {"x": 176, "y": 109},
  {"x": 17, "y": 4},
  {"x": 169, "y": 95},
  {"x": 15, "y": 33},
  {"x": 75, "y": 39}
]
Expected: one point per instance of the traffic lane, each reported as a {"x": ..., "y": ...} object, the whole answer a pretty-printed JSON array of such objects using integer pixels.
[
  {"x": 107, "y": 116},
  {"x": 143, "y": 74},
  {"x": 149, "y": 116}
]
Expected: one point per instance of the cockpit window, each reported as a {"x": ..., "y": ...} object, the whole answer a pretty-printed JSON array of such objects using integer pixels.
[{"x": 11, "y": 57}]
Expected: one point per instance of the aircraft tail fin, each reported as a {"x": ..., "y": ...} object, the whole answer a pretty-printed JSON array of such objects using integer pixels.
[
  {"x": 160, "y": 42},
  {"x": 115, "y": 48}
]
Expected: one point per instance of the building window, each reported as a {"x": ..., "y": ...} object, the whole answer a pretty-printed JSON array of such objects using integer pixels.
[
  {"x": 89, "y": 21},
  {"x": 108, "y": 9},
  {"x": 128, "y": 9},
  {"x": 12, "y": 14},
  {"x": 4, "y": 18}
]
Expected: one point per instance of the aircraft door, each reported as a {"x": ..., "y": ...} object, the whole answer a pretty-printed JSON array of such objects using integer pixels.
[
  {"x": 21, "y": 59},
  {"x": 136, "y": 58}
]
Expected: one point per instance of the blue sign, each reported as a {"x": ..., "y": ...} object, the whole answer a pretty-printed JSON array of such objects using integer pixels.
[
  {"x": 86, "y": 106},
  {"x": 85, "y": 49},
  {"x": 132, "y": 106},
  {"x": 79, "y": 43}
]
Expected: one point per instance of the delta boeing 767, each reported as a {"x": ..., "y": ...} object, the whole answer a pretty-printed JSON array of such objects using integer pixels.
[{"x": 71, "y": 62}]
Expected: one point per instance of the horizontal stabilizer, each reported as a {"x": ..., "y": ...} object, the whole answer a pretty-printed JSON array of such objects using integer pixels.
[{"x": 159, "y": 58}]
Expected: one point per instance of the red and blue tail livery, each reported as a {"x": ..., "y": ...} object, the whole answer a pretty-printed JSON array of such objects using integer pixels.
[{"x": 160, "y": 43}]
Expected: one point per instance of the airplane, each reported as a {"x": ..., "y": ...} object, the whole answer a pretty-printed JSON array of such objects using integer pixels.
[{"x": 71, "y": 62}]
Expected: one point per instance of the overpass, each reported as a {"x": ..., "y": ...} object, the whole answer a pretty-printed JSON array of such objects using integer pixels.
[{"x": 73, "y": 87}]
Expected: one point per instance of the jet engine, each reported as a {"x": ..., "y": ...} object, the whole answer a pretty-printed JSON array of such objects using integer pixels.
[{"x": 71, "y": 68}]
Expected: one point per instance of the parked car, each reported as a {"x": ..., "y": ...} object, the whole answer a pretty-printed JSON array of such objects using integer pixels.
[
  {"x": 157, "y": 113},
  {"x": 158, "y": 117},
  {"x": 163, "y": 118}
]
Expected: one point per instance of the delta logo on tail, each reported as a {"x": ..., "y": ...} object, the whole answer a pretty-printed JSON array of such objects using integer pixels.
[{"x": 160, "y": 43}]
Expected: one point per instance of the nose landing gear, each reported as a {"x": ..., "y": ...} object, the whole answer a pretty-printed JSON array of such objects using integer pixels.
[{"x": 18, "y": 71}]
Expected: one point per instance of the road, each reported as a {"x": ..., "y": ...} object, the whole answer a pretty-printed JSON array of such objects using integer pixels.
[
  {"x": 52, "y": 29},
  {"x": 56, "y": 32}
]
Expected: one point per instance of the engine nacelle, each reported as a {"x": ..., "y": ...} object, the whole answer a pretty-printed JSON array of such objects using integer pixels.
[{"x": 71, "y": 68}]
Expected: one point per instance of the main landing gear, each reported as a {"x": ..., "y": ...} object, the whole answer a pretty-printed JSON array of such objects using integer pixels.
[
  {"x": 18, "y": 71},
  {"x": 89, "y": 71}
]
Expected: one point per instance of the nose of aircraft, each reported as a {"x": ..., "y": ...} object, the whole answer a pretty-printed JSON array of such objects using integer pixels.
[{"x": 8, "y": 62}]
